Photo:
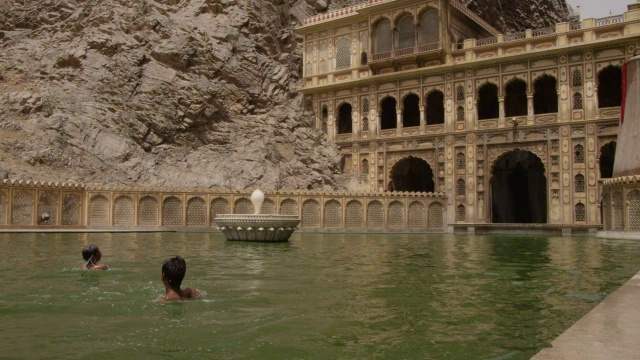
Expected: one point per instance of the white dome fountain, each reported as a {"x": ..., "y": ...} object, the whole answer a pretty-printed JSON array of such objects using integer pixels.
[{"x": 257, "y": 227}]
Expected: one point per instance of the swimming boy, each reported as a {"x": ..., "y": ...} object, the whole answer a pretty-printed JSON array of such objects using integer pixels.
[
  {"x": 91, "y": 254},
  {"x": 173, "y": 271}
]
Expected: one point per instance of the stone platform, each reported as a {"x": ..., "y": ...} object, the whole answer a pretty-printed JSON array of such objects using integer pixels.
[
  {"x": 526, "y": 229},
  {"x": 610, "y": 331}
]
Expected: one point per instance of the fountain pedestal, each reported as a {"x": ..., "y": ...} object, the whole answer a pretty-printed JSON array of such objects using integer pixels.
[{"x": 257, "y": 227}]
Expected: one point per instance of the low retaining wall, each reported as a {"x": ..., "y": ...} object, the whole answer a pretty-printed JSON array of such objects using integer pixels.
[{"x": 39, "y": 206}]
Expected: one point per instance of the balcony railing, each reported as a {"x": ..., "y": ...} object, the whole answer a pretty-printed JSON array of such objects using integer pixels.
[
  {"x": 616, "y": 19},
  {"x": 488, "y": 41},
  {"x": 543, "y": 32},
  {"x": 406, "y": 51},
  {"x": 515, "y": 36},
  {"x": 575, "y": 26}
]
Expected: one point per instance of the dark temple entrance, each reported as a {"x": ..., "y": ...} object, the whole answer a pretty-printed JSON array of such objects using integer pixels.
[
  {"x": 519, "y": 189},
  {"x": 412, "y": 174}
]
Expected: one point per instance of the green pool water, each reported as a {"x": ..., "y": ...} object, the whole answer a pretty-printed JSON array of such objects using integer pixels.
[{"x": 319, "y": 296}]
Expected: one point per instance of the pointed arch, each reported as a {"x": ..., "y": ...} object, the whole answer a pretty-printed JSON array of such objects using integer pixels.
[
  {"x": 406, "y": 31},
  {"x": 488, "y": 104},
  {"x": 388, "y": 115},
  {"x": 610, "y": 86},
  {"x": 545, "y": 95},
  {"x": 435, "y": 108},
  {"x": 345, "y": 119},
  {"x": 411, "y": 110},
  {"x": 382, "y": 36}
]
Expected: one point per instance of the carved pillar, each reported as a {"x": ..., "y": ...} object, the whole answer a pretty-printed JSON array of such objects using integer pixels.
[
  {"x": 331, "y": 127},
  {"x": 423, "y": 119},
  {"x": 530, "y": 109},
  {"x": 473, "y": 116},
  {"x": 356, "y": 124},
  {"x": 501, "y": 111},
  {"x": 595, "y": 101},
  {"x": 399, "y": 121}
]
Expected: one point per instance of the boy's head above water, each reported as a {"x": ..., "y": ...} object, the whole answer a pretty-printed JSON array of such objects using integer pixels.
[
  {"x": 91, "y": 254},
  {"x": 173, "y": 271}
]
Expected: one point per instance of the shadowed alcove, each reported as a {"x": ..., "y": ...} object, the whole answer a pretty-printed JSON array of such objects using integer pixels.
[
  {"x": 607, "y": 157},
  {"x": 412, "y": 174},
  {"x": 411, "y": 111},
  {"x": 519, "y": 189},
  {"x": 388, "y": 117}
]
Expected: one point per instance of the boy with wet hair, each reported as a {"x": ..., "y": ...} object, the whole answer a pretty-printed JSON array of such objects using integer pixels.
[
  {"x": 173, "y": 271},
  {"x": 91, "y": 254}
]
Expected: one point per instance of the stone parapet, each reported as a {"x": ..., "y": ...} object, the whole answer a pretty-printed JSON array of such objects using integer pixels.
[{"x": 45, "y": 205}]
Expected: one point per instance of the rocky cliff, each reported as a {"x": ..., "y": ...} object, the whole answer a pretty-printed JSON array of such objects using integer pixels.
[{"x": 169, "y": 92}]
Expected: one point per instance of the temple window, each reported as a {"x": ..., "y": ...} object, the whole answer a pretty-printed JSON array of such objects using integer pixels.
[{"x": 545, "y": 96}]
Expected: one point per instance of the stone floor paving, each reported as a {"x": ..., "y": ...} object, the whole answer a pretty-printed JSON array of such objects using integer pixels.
[{"x": 610, "y": 331}]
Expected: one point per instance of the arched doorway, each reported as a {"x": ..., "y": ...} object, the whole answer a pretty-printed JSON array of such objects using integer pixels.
[
  {"x": 435, "y": 108},
  {"x": 388, "y": 116},
  {"x": 519, "y": 189},
  {"x": 610, "y": 87},
  {"x": 545, "y": 95},
  {"x": 345, "y": 121},
  {"x": 488, "y": 103},
  {"x": 412, "y": 174},
  {"x": 411, "y": 111},
  {"x": 607, "y": 157},
  {"x": 515, "y": 100}
]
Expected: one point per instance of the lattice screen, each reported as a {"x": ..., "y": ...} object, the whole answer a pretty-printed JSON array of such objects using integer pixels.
[
  {"x": 606, "y": 211},
  {"x": 375, "y": 215},
  {"x": 332, "y": 214},
  {"x": 310, "y": 214},
  {"x": 364, "y": 41},
  {"x": 461, "y": 213},
  {"x": 406, "y": 32},
  {"x": 148, "y": 211},
  {"x": 417, "y": 215},
  {"x": 460, "y": 93},
  {"x": 3, "y": 208},
  {"x": 383, "y": 37},
  {"x": 172, "y": 212},
  {"x": 48, "y": 204},
  {"x": 289, "y": 207},
  {"x": 308, "y": 69},
  {"x": 618, "y": 212},
  {"x": 323, "y": 50},
  {"x": 243, "y": 206},
  {"x": 123, "y": 211},
  {"x": 576, "y": 78},
  {"x": 396, "y": 215},
  {"x": 323, "y": 66},
  {"x": 268, "y": 207},
  {"x": 460, "y": 114},
  {"x": 196, "y": 212},
  {"x": 365, "y": 106},
  {"x": 99, "y": 210},
  {"x": 343, "y": 54},
  {"x": 461, "y": 188},
  {"x": 436, "y": 216},
  {"x": 577, "y": 101},
  {"x": 365, "y": 166},
  {"x": 365, "y": 124},
  {"x": 581, "y": 213},
  {"x": 460, "y": 161},
  {"x": 429, "y": 31},
  {"x": 578, "y": 152},
  {"x": 218, "y": 206},
  {"x": 71, "y": 209},
  {"x": 579, "y": 183},
  {"x": 354, "y": 215},
  {"x": 634, "y": 210}
]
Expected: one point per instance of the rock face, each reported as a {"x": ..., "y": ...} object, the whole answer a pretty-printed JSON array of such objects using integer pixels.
[{"x": 167, "y": 92}]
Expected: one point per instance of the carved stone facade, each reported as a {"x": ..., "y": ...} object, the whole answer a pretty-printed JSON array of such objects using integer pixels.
[{"x": 480, "y": 116}]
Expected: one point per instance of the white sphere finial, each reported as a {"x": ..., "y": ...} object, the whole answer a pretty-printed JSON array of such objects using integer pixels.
[{"x": 257, "y": 198}]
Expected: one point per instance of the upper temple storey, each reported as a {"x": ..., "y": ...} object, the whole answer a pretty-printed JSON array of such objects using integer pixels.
[{"x": 427, "y": 96}]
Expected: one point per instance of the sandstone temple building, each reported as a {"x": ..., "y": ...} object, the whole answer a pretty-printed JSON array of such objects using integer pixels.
[{"x": 425, "y": 96}]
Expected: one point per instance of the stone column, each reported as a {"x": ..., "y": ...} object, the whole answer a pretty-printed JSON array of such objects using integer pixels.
[
  {"x": 331, "y": 127},
  {"x": 399, "y": 122},
  {"x": 356, "y": 124},
  {"x": 501, "y": 111},
  {"x": 423, "y": 119},
  {"x": 596, "y": 103},
  {"x": 473, "y": 116},
  {"x": 530, "y": 110},
  {"x": 378, "y": 124}
]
